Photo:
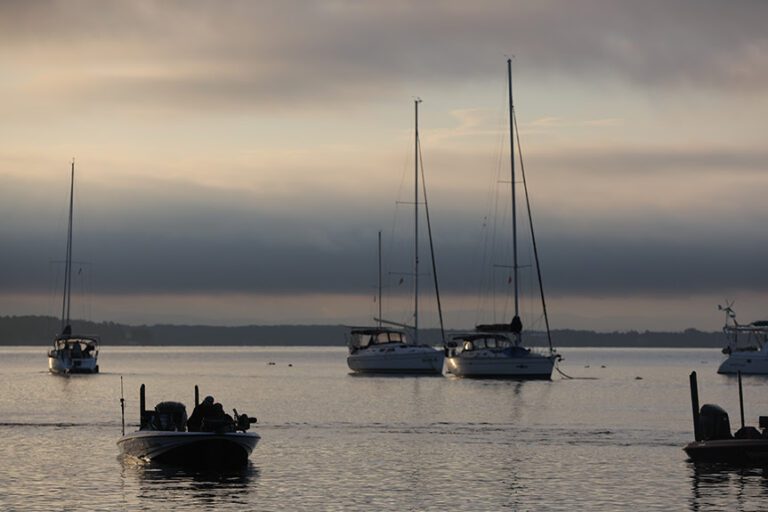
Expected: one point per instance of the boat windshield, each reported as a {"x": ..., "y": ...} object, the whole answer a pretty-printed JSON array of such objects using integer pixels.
[
  {"x": 367, "y": 337},
  {"x": 751, "y": 337},
  {"x": 482, "y": 342},
  {"x": 78, "y": 347}
]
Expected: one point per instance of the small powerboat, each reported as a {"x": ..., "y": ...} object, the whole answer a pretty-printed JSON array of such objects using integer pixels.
[
  {"x": 713, "y": 439},
  {"x": 167, "y": 436}
]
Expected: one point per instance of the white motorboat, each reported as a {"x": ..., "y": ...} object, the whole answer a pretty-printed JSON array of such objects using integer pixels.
[
  {"x": 167, "y": 436},
  {"x": 489, "y": 352},
  {"x": 72, "y": 353},
  {"x": 382, "y": 350},
  {"x": 747, "y": 347}
]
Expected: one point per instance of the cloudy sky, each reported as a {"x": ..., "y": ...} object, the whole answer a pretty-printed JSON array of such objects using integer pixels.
[{"x": 235, "y": 160}]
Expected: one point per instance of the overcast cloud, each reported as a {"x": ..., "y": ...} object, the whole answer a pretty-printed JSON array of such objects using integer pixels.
[{"x": 255, "y": 148}]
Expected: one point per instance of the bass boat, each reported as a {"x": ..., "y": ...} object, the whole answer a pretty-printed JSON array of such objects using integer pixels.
[
  {"x": 167, "y": 436},
  {"x": 713, "y": 441}
]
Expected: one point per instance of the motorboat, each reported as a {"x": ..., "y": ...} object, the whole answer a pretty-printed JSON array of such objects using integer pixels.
[
  {"x": 712, "y": 433},
  {"x": 72, "y": 353},
  {"x": 747, "y": 346},
  {"x": 383, "y": 350},
  {"x": 495, "y": 355},
  {"x": 496, "y": 350},
  {"x": 166, "y": 435}
]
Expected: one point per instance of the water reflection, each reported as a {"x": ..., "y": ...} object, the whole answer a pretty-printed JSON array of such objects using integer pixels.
[
  {"x": 720, "y": 486},
  {"x": 198, "y": 487},
  {"x": 374, "y": 375}
]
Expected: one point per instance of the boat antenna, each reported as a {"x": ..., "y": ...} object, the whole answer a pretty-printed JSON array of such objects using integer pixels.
[
  {"x": 122, "y": 403},
  {"x": 65, "y": 306},
  {"x": 741, "y": 399},
  {"x": 517, "y": 324},
  {"x": 432, "y": 248},
  {"x": 416, "y": 102},
  {"x": 379, "y": 319},
  {"x": 533, "y": 238}
]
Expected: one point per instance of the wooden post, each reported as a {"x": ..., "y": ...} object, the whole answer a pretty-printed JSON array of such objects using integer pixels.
[
  {"x": 695, "y": 406},
  {"x": 741, "y": 399},
  {"x": 142, "y": 404}
]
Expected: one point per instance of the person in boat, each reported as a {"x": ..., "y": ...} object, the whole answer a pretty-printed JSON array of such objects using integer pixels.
[
  {"x": 208, "y": 411},
  {"x": 77, "y": 350}
]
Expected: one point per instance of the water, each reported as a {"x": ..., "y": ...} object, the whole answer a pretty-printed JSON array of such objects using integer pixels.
[{"x": 333, "y": 441}]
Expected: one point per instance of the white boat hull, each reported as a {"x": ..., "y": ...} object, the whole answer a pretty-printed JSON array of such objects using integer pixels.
[
  {"x": 397, "y": 359},
  {"x": 190, "y": 448},
  {"x": 492, "y": 365},
  {"x": 748, "y": 363},
  {"x": 60, "y": 363}
]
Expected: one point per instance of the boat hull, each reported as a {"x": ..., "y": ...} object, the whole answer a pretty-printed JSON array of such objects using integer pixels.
[
  {"x": 532, "y": 367},
  {"x": 748, "y": 363},
  {"x": 397, "y": 360},
  {"x": 202, "y": 449},
  {"x": 731, "y": 451},
  {"x": 64, "y": 365}
]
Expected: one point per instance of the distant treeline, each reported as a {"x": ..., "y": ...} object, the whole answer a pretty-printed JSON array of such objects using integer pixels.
[{"x": 40, "y": 330}]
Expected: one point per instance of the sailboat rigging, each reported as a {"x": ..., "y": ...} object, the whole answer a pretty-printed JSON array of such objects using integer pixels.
[
  {"x": 71, "y": 353},
  {"x": 488, "y": 352},
  {"x": 384, "y": 350}
]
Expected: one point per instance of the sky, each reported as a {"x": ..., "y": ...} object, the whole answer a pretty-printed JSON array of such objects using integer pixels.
[{"x": 235, "y": 160}]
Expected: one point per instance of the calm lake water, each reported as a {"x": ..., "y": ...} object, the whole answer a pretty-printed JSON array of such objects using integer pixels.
[{"x": 609, "y": 440}]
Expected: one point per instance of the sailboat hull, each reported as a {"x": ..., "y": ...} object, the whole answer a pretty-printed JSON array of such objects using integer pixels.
[
  {"x": 478, "y": 366},
  {"x": 60, "y": 364},
  {"x": 398, "y": 359}
]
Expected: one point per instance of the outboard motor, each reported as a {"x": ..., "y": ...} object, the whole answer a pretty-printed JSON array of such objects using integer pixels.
[
  {"x": 243, "y": 421},
  {"x": 170, "y": 416},
  {"x": 714, "y": 423}
]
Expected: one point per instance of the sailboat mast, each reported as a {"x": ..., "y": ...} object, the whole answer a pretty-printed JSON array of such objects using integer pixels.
[
  {"x": 65, "y": 306},
  {"x": 416, "y": 223},
  {"x": 516, "y": 323},
  {"x": 379, "y": 319}
]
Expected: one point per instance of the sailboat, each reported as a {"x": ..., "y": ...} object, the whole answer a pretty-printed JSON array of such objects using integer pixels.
[
  {"x": 381, "y": 349},
  {"x": 496, "y": 350},
  {"x": 72, "y": 353}
]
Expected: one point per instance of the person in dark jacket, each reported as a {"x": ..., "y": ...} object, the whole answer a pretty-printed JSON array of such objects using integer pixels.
[
  {"x": 209, "y": 416},
  {"x": 206, "y": 409}
]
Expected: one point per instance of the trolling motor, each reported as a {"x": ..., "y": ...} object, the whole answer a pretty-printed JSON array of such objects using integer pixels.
[{"x": 243, "y": 421}]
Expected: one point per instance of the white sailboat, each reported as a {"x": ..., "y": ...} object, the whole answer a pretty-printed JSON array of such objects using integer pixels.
[
  {"x": 72, "y": 353},
  {"x": 383, "y": 350},
  {"x": 496, "y": 350},
  {"x": 747, "y": 347}
]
